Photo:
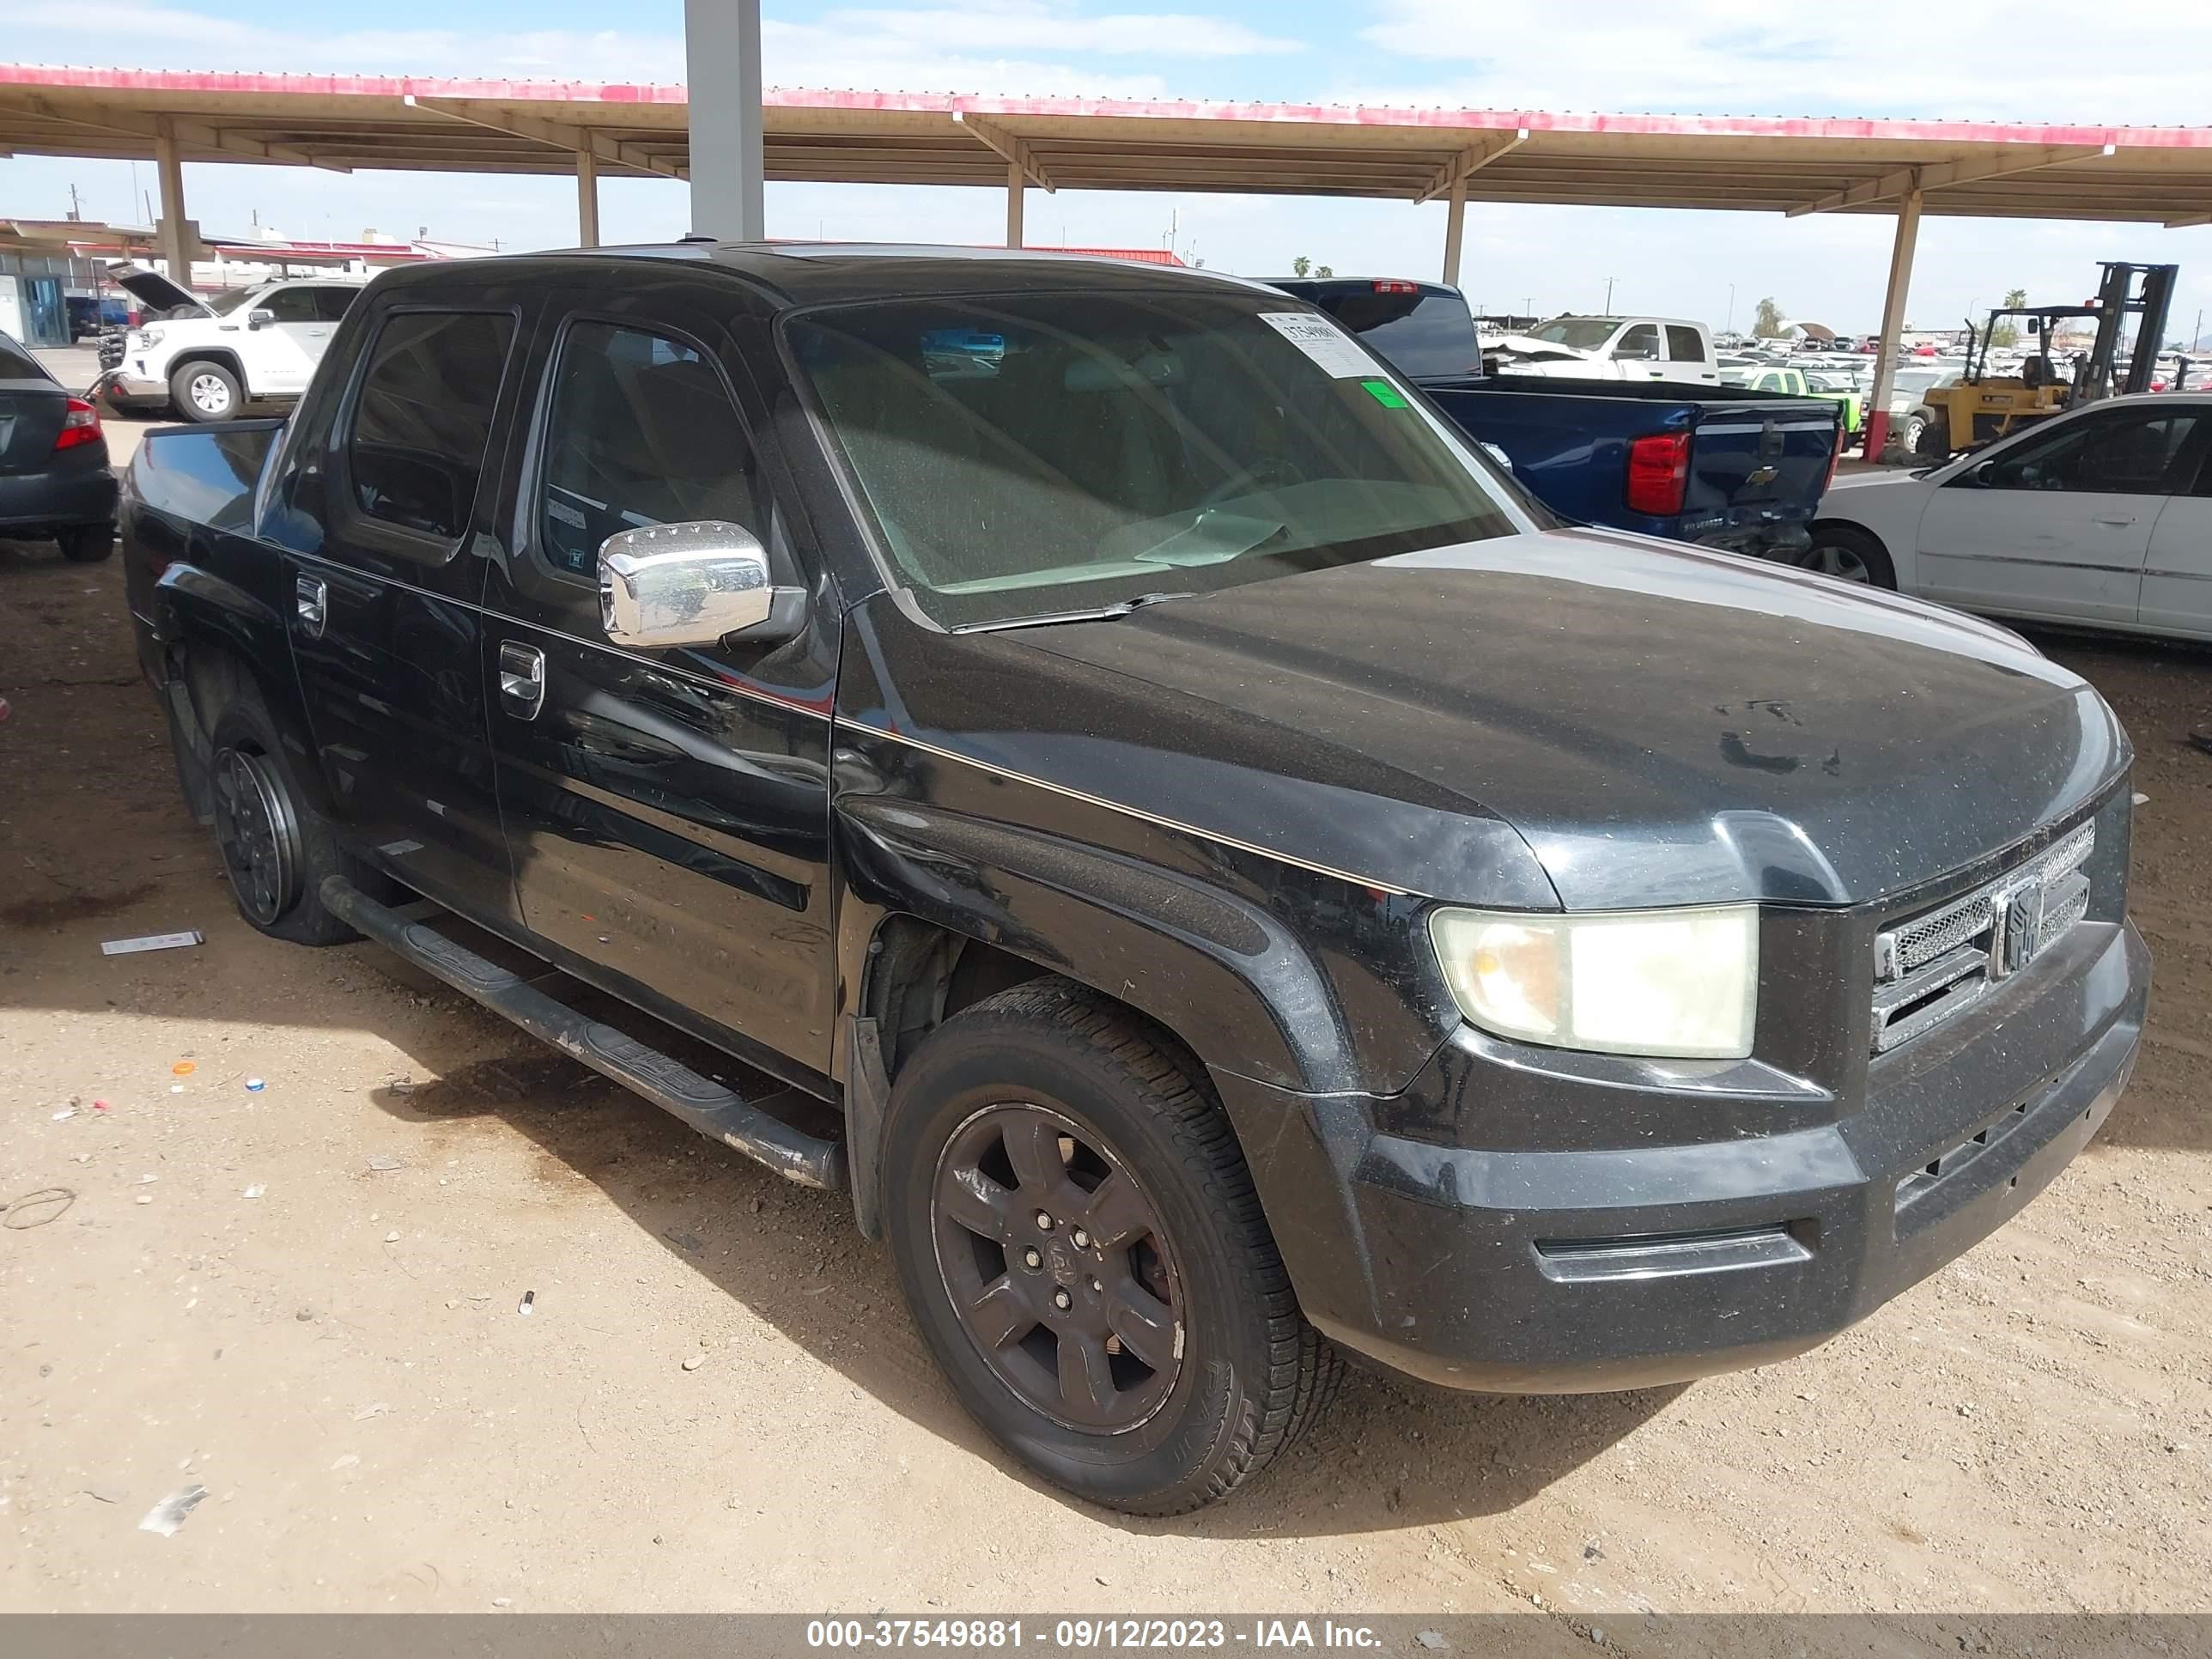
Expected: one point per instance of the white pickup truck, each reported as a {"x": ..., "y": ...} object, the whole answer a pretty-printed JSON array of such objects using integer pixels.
[
  {"x": 208, "y": 357},
  {"x": 1610, "y": 348}
]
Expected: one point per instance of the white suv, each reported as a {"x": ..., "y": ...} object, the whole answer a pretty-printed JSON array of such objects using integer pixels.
[{"x": 208, "y": 357}]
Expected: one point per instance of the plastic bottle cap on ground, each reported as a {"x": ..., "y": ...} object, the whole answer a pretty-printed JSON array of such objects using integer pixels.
[{"x": 183, "y": 1068}]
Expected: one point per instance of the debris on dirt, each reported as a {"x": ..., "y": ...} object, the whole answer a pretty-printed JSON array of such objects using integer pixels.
[
  {"x": 391, "y": 1237},
  {"x": 529, "y": 1303},
  {"x": 502, "y": 1600},
  {"x": 1431, "y": 1638},
  {"x": 386, "y": 1161},
  {"x": 367, "y": 1412},
  {"x": 65, "y": 1115},
  {"x": 690, "y": 1243},
  {"x": 2139, "y": 800},
  {"x": 304, "y": 1314},
  {"x": 102, "y": 1106},
  {"x": 166, "y": 1516},
  {"x": 124, "y": 947},
  {"x": 759, "y": 1203},
  {"x": 183, "y": 1068},
  {"x": 36, "y": 1209},
  {"x": 254, "y": 1191},
  {"x": 694, "y": 1361},
  {"x": 254, "y": 1085},
  {"x": 346, "y": 1462}
]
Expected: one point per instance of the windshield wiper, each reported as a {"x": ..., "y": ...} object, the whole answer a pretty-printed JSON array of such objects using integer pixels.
[{"x": 1101, "y": 613}]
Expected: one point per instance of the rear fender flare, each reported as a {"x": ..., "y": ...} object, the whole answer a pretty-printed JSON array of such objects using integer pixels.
[{"x": 199, "y": 615}]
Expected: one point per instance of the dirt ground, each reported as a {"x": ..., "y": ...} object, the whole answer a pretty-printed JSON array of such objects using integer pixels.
[{"x": 307, "y": 1299}]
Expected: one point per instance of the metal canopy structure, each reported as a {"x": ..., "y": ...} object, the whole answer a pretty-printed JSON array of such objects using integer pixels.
[
  {"x": 1907, "y": 169},
  {"x": 2155, "y": 174}
]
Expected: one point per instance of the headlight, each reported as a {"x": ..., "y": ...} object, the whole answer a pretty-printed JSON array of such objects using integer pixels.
[
  {"x": 1676, "y": 984},
  {"x": 148, "y": 337}
]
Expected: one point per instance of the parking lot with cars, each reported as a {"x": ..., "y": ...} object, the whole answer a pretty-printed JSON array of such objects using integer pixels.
[{"x": 440, "y": 1319}]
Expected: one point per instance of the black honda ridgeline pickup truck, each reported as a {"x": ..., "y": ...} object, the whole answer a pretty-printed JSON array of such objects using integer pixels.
[{"x": 1119, "y": 787}]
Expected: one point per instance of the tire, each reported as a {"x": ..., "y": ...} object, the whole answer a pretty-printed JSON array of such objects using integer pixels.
[
  {"x": 86, "y": 543},
  {"x": 276, "y": 850},
  {"x": 1228, "y": 1371},
  {"x": 1927, "y": 435},
  {"x": 205, "y": 391},
  {"x": 1849, "y": 555}
]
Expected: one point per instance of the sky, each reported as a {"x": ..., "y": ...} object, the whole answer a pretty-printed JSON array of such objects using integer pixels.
[{"x": 2132, "y": 62}]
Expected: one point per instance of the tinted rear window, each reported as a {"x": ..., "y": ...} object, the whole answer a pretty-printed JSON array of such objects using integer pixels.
[
  {"x": 1424, "y": 333},
  {"x": 424, "y": 418},
  {"x": 1683, "y": 344},
  {"x": 17, "y": 364}
]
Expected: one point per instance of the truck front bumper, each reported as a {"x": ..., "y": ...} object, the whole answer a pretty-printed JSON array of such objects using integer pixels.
[{"x": 1529, "y": 1270}]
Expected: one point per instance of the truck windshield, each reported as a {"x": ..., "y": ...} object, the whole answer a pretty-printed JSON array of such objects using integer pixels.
[
  {"x": 1036, "y": 455},
  {"x": 1577, "y": 333}
]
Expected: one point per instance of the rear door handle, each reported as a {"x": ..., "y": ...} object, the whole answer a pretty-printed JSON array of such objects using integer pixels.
[
  {"x": 521, "y": 678},
  {"x": 312, "y": 602},
  {"x": 2115, "y": 520}
]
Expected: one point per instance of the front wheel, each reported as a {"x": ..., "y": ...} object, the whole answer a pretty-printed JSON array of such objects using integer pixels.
[
  {"x": 1078, "y": 1236},
  {"x": 205, "y": 391},
  {"x": 1849, "y": 555}
]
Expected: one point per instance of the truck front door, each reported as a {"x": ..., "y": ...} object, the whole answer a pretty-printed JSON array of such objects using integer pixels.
[
  {"x": 668, "y": 812},
  {"x": 382, "y": 529}
]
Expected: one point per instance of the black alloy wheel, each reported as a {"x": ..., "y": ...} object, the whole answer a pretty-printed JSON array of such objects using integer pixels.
[
  {"x": 258, "y": 836},
  {"x": 1058, "y": 1267}
]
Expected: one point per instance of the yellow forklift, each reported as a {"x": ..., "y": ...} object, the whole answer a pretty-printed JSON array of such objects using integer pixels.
[{"x": 1979, "y": 406}]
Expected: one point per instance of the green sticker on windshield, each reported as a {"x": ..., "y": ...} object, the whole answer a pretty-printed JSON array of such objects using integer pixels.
[{"x": 1386, "y": 394}]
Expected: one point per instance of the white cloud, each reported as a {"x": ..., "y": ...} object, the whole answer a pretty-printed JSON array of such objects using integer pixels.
[
  {"x": 998, "y": 46},
  {"x": 2116, "y": 63}
]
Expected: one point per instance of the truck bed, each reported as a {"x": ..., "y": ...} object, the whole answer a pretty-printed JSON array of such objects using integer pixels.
[{"x": 1759, "y": 461}]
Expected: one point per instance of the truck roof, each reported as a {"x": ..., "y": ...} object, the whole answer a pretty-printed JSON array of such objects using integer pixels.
[{"x": 811, "y": 273}]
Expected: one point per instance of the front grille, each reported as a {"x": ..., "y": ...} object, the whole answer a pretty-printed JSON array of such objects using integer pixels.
[{"x": 1935, "y": 966}]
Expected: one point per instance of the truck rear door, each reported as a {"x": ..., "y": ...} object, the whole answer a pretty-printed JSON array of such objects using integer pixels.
[
  {"x": 1757, "y": 465},
  {"x": 386, "y": 544}
]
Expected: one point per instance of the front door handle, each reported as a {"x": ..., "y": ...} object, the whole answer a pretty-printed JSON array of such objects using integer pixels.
[
  {"x": 2116, "y": 520},
  {"x": 312, "y": 602},
  {"x": 521, "y": 679}
]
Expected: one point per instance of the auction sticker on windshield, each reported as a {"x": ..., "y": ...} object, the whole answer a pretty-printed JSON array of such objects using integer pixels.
[{"x": 1331, "y": 349}]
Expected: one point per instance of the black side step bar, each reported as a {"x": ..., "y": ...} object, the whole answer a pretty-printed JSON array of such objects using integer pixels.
[{"x": 705, "y": 1104}]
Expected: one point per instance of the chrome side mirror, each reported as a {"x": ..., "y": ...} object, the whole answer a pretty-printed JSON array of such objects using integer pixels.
[
  {"x": 676, "y": 584},
  {"x": 260, "y": 317}
]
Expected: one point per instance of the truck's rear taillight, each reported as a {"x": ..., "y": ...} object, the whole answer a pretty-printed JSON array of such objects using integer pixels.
[
  {"x": 79, "y": 426},
  {"x": 1658, "y": 473}
]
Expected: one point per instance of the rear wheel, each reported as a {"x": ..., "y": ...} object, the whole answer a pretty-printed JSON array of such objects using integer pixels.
[
  {"x": 1078, "y": 1236},
  {"x": 205, "y": 391},
  {"x": 1849, "y": 555},
  {"x": 86, "y": 543},
  {"x": 276, "y": 850}
]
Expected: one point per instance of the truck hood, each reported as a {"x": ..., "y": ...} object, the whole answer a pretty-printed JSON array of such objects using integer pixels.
[
  {"x": 1660, "y": 724},
  {"x": 156, "y": 292}
]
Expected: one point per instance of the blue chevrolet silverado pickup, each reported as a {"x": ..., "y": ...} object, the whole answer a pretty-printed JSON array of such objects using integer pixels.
[{"x": 1740, "y": 469}]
